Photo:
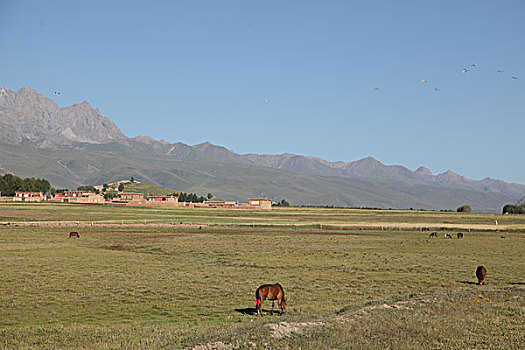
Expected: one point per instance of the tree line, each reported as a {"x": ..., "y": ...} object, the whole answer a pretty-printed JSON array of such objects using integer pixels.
[
  {"x": 190, "y": 197},
  {"x": 514, "y": 209},
  {"x": 9, "y": 184}
]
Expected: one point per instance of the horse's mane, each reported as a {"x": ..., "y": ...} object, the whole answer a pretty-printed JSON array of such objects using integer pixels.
[{"x": 282, "y": 289}]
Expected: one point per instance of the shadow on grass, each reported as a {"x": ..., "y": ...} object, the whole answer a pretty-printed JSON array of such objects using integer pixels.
[
  {"x": 253, "y": 311},
  {"x": 247, "y": 311},
  {"x": 509, "y": 283}
]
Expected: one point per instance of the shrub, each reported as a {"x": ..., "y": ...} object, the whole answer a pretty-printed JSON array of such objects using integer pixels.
[
  {"x": 513, "y": 209},
  {"x": 464, "y": 209}
]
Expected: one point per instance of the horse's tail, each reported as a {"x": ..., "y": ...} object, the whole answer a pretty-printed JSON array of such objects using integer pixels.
[{"x": 257, "y": 298}]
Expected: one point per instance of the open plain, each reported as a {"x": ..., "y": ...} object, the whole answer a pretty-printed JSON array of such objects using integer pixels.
[{"x": 186, "y": 278}]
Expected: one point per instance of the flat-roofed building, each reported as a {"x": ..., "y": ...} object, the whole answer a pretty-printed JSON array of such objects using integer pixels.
[
  {"x": 260, "y": 203},
  {"x": 129, "y": 198},
  {"x": 26, "y": 196},
  {"x": 217, "y": 204},
  {"x": 78, "y": 197},
  {"x": 162, "y": 201}
]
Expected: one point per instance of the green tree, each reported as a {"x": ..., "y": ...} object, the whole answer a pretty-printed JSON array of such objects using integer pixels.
[
  {"x": 282, "y": 203},
  {"x": 88, "y": 189},
  {"x": 513, "y": 209},
  {"x": 10, "y": 183},
  {"x": 121, "y": 187},
  {"x": 104, "y": 187},
  {"x": 210, "y": 196},
  {"x": 110, "y": 194},
  {"x": 132, "y": 179},
  {"x": 464, "y": 209},
  {"x": 190, "y": 197}
]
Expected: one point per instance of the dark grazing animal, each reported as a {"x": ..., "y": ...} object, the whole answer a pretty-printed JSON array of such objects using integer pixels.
[
  {"x": 481, "y": 273},
  {"x": 433, "y": 234},
  {"x": 460, "y": 234},
  {"x": 447, "y": 235},
  {"x": 271, "y": 292},
  {"x": 74, "y": 234}
]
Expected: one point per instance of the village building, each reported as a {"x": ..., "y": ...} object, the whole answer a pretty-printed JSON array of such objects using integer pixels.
[
  {"x": 26, "y": 196},
  {"x": 217, "y": 204},
  {"x": 260, "y": 203},
  {"x": 78, "y": 197},
  {"x": 162, "y": 201},
  {"x": 129, "y": 198}
]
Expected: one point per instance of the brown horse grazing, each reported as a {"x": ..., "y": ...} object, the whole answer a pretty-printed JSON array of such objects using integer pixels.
[
  {"x": 460, "y": 234},
  {"x": 433, "y": 234},
  {"x": 481, "y": 273},
  {"x": 271, "y": 292},
  {"x": 74, "y": 234}
]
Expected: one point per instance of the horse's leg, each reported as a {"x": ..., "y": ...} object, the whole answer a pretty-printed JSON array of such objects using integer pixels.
[
  {"x": 260, "y": 307},
  {"x": 280, "y": 308},
  {"x": 273, "y": 301}
]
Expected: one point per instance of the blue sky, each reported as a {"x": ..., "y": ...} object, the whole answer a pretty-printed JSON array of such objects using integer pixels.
[{"x": 196, "y": 71}]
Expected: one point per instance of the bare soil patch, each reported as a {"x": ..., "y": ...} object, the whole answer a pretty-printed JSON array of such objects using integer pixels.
[{"x": 286, "y": 329}]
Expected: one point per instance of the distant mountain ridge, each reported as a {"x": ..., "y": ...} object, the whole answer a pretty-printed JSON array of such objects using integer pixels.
[{"x": 77, "y": 140}]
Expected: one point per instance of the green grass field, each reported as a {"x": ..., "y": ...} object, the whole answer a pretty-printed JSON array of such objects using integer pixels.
[{"x": 353, "y": 279}]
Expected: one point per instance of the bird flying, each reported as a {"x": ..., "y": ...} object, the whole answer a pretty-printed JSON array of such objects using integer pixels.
[
  {"x": 57, "y": 93},
  {"x": 514, "y": 78},
  {"x": 473, "y": 65},
  {"x": 423, "y": 80},
  {"x": 437, "y": 89},
  {"x": 266, "y": 100},
  {"x": 500, "y": 71},
  {"x": 464, "y": 70},
  {"x": 375, "y": 89}
]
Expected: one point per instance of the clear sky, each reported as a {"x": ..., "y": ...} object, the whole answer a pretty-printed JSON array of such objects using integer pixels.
[{"x": 195, "y": 71}]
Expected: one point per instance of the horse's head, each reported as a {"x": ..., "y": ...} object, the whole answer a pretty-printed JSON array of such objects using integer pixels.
[{"x": 283, "y": 304}]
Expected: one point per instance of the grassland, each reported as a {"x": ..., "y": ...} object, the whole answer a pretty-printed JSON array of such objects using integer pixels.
[
  {"x": 69, "y": 214},
  {"x": 353, "y": 279}
]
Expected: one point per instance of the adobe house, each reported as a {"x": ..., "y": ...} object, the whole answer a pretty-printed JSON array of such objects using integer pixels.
[
  {"x": 79, "y": 197},
  {"x": 260, "y": 203},
  {"x": 26, "y": 196},
  {"x": 129, "y": 198},
  {"x": 216, "y": 204},
  {"x": 162, "y": 201}
]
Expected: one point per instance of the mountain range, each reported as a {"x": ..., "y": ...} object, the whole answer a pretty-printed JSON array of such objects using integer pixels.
[{"x": 77, "y": 145}]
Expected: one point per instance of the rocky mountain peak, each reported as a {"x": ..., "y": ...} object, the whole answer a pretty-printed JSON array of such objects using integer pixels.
[
  {"x": 423, "y": 171},
  {"x": 29, "y": 115}
]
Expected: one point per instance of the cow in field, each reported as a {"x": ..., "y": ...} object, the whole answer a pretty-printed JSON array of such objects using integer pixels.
[
  {"x": 433, "y": 234},
  {"x": 481, "y": 273},
  {"x": 460, "y": 234},
  {"x": 447, "y": 235},
  {"x": 74, "y": 234}
]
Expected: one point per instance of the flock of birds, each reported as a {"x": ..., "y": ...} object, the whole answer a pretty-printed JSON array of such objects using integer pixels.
[
  {"x": 424, "y": 81},
  {"x": 464, "y": 70}
]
